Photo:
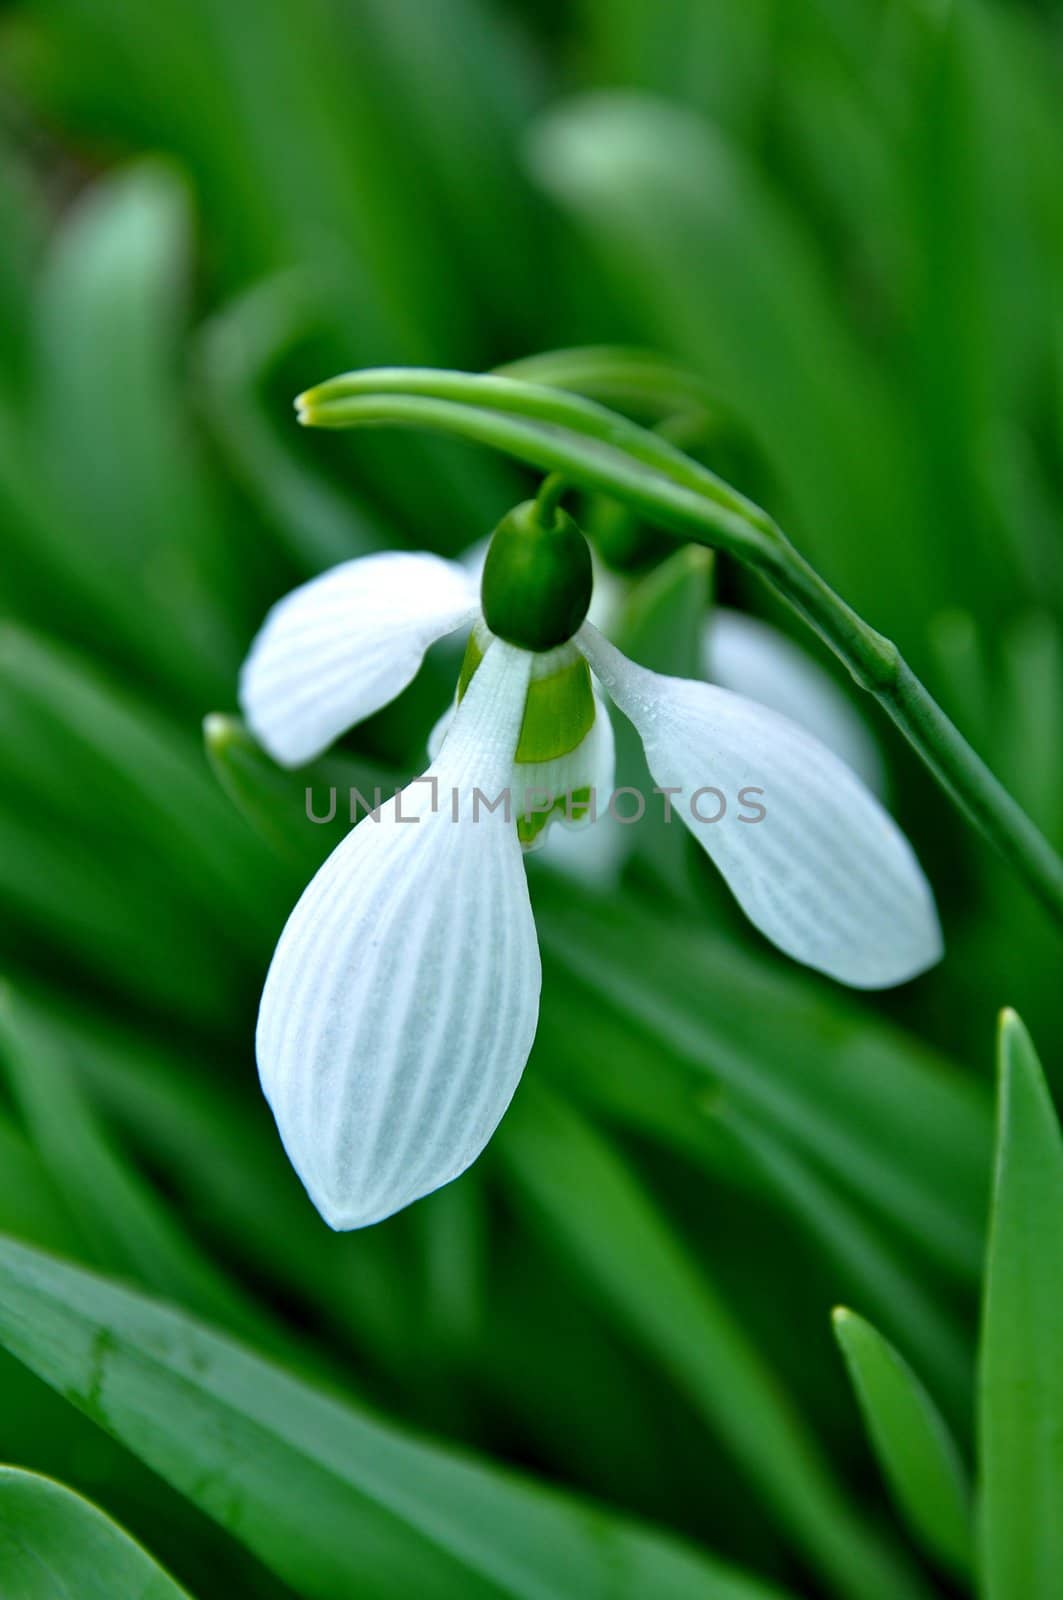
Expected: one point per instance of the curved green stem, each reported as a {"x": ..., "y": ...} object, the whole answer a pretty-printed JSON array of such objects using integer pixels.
[
  {"x": 594, "y": 448},
  {"x": 551, "y": 491}
]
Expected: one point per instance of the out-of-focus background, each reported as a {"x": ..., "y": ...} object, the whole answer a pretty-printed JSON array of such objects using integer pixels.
[{"x": 846, "y": 218}]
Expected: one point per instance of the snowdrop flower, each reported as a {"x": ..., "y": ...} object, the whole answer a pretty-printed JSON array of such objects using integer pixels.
[{"x": 402, "y": 999}]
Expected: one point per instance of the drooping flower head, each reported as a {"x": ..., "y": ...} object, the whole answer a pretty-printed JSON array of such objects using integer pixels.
[{"x": 402, "y": 999}]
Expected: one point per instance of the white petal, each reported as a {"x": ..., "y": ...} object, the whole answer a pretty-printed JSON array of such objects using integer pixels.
[
  {"x": 751, "y": 657},
  {"x": 402, "y": 999},
  {"x": 826, "y": 875},
  {"x": 341, "y": 646}
]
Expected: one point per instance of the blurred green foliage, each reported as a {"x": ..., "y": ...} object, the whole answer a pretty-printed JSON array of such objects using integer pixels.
[{"x": 845, "y": 216}]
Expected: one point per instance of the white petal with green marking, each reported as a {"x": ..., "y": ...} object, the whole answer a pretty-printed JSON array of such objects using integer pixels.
[{"x": 403, "y": 995}]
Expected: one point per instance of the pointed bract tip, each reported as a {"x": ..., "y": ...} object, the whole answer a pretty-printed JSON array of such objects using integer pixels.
[{"x": 220, "y": 730}]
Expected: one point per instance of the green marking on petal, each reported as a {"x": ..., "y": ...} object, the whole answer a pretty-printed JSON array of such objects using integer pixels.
[
  {"x": 473, "y": 656},
  {"x": 530, "y": 827},
  {"x": 558, "y": 713}
]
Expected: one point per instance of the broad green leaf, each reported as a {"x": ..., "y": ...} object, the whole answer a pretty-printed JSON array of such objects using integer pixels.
[
  {"x": 592, "y": 1208},
  {"x": 915, "y": 1449},
  {"x": 331, "y": 1499},
  {"x": 1021, "y": 1372},
  {"x": 54, "y": 1544}
]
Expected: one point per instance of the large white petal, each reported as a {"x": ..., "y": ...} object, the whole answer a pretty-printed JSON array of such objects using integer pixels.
[
  {"x": 753, "y": 658},
  {"x": 341, "y": 646},
  {"x": 826, "y": 875},
  {"x": 403, "y": 996}
]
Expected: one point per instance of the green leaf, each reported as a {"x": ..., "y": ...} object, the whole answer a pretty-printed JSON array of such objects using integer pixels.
[
  {"x": 661, "y": 624},
  {"x": 907, "y": 1299},
  {"x": 316, "y": 522},
  {"x": 30, "y": 1205},
  {"x": 275, "y": 801},
  {"x": 590, "y": 1205},
  {"x": 145, "y": 511},
  {"x": 634, "y": 381},
  {"x": 155, "y": 886},
  {"x": 54, "y": 1544},
  {"x": 217, "y": 1151},
  {"x": 125, "y": 1226},
  {"x": 331, "y": 1499},
  {"x": 866, "y": 1103},
  {"x": 1021, "y": 1370},
  {"x": 915, "y": 1449}
]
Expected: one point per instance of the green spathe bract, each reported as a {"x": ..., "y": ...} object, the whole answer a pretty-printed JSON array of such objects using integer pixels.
[{"x": 537, "y": 578}]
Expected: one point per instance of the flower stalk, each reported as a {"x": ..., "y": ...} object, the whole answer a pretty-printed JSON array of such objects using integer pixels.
[{"x": 597, "y": 449}]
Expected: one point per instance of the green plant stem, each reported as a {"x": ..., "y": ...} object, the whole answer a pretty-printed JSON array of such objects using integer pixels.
[
  {"x": 595, "y": 448},
  {"x": 549, "y": 497}
]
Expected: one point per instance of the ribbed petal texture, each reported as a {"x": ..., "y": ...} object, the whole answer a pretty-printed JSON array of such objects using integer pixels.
[
  {"x": 337, "y": 649},
  {"x": 826, "y": 875},
  {"x": 403, "y": 996},
  {"x": 753, "y": 658}
]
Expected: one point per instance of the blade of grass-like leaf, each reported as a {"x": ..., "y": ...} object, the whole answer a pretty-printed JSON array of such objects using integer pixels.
[
  {"x": 22, "y": 228},
  {"x": 716, "y": 267},
  {"x": 332, "y": 1500},
  {"x": 593, "y": 1208},
  {"x": 54, "y": 1544},
  {"x": 627, "y": 378},
  {"x": 901, "y": 1296},
  {"x": 915, "y": 1449},
  {"x": 125, "y": 1227},
  {"x": 221, "y": 1159},
  {"x": 60, "y": 897},
  {"x": 69, "y": 728},
  {"x": 1020, "y": 1370},
  {"x": 316, "y": 523},
  {"x": 866, "y": 1104},
  {"x": 715, "y": 55},
  {"x": 462, "y": 111},
  {"x": 635, "y": 1083},
  {"x": 106, "y": 369},
  {"x": 30, "y": 1206},
  {"x": 275, "y": 802},
  {"x": 661, "y": 625}
]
